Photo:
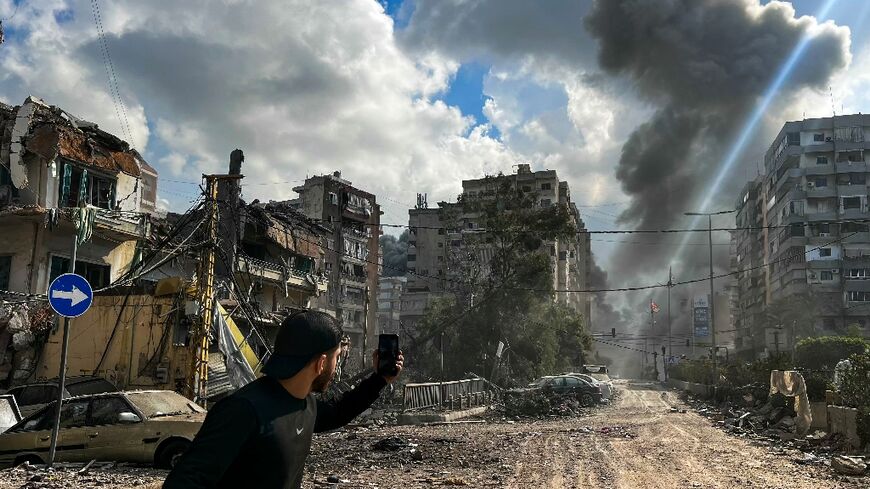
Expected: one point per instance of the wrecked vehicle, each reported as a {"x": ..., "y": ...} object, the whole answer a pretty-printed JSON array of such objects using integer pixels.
[
  {"x": 605, "y": 386},
  {"x": 32, "y": 397},
  {"x": 585, "y": 392},
  {"x": 136, "y": 426}
]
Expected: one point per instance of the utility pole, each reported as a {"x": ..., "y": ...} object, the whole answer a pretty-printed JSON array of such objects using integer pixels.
[
  {"x": 197, "y": 377},
  {"x": 712, "y": 296},
  {"x": 670, "y": 286},
  {"x": 64, "y": 350}
]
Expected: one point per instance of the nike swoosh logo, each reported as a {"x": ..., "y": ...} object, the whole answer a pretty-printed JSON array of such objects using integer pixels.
[{"x": 300, "y": 430}]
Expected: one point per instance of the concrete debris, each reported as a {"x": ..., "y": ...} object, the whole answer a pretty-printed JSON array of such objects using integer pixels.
[
  {"x": 538, "y": 403},
  {"x": 846, "y": 465},
  {"x": 390, "y": 444}
]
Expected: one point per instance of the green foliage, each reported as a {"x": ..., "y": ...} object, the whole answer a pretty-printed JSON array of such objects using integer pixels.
[
  {"x": 794, "y": 313},
  {"x": 395, "y": 254},
  {"x": 507, "y": 298},
  {"x": 824, "y": 352},
  {"x": 855, "y": 385}
]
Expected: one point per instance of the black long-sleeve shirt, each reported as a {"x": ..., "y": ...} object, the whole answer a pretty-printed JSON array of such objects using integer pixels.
[{"x": 260, "y": 436}]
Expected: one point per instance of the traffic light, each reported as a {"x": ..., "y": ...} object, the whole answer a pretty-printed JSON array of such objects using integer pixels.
[{"x": 613, "y": 332}]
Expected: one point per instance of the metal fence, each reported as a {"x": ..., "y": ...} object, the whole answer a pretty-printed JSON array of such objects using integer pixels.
[{"x": 454, "y": 394}]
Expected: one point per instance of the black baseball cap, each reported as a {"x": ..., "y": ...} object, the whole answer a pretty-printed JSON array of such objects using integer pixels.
[{"x": 301, "y": 337}]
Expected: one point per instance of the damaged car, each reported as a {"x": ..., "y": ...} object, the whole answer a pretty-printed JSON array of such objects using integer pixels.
[
  {"x": 585, "y": 392},
  {"x": 153, "y": 427},
  {"x": 32, "y": 397}
]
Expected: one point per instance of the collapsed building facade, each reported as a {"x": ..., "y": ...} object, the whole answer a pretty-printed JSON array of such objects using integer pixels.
[
  {"x": 62, "y": 180},
  {"x": 52, "y": 165}
]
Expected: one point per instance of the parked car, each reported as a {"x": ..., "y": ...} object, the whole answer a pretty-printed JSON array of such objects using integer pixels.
[
  {"x": 586, "y": 393},
  {"x": 32, "y": 397},
  {"x": 136, "y": 426},
  {"x": 605, "y": 386}
]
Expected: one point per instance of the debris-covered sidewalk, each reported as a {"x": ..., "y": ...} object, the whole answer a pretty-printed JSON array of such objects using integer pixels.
[{"x": 79, "y": 475}]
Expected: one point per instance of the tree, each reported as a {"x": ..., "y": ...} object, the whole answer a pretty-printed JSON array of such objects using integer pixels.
[
  {"x": 797, "y": 311},
  {"x": 501, "y": 279},
  {"x": 395, "y": 254}
]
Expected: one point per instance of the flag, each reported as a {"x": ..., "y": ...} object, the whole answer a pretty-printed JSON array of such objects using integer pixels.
[{"x": 653, "y": 307}]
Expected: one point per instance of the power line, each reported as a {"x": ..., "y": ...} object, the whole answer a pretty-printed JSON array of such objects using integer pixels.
[
  {"x": 617, "y": 289},
  {"x": 110, "y": 74}
]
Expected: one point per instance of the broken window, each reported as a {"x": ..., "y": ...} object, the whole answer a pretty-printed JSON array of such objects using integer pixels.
[
  {"x": 826, "y": 275},
  {"x": 333, "y": 198},
  {"x": 546, "y": 186},
  {"x": 412, "y": 257},
  {"x": 80, "y": 187},
  {"x": 106, "y": 410},
  {"x": 821, "y": 182},
  {"x": 97, "y": 275},
  {"x": 5, "y": 271}
]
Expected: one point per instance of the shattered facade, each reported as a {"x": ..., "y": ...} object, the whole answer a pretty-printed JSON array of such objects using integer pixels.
[
  {"x": 353, "y": 218},
  {"x": 51, "y": 163}
]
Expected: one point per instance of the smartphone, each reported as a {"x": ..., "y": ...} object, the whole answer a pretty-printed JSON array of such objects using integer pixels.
[{"x": 388, "y": 354}]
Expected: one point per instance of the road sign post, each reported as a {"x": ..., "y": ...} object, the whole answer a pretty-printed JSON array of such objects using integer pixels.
[{"x": 70, "y": 296}]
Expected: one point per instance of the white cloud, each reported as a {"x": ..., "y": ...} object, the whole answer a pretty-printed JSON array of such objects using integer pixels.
[{"x": 309, "y": 88}]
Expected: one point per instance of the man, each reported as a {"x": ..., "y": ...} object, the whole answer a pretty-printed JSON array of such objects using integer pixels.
[{"x": 260, "y": 436}]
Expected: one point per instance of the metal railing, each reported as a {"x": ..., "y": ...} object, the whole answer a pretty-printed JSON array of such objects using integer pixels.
[{"x": 454, "y": 394}]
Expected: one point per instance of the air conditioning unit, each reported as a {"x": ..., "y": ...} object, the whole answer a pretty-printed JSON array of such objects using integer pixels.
[
  {"x": 835, "y": 271},
  {"x": 811, "y": 185}
]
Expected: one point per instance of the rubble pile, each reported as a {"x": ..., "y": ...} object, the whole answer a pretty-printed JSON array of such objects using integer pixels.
[
  {"x": 772, "y": 423},
  {"x": 536, "y": 403},
  {"x": 77, "y": 475},
  {"x": 21, "y": 329}
]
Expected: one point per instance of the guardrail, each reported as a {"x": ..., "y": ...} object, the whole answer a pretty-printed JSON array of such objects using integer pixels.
[{"x": 454, "y": 394}]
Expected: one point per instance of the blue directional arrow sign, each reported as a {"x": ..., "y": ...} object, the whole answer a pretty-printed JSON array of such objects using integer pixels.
[{"x": 70, "y": 295}]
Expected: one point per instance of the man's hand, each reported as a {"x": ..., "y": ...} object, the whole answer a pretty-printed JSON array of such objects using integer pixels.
[{"x": 400, "y": 363}]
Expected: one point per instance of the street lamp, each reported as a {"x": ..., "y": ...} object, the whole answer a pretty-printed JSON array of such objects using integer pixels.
[{"x": 712, "y": 297}]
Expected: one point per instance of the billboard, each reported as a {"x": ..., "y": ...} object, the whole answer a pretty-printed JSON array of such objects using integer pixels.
[{"x": 701, "y": 316}]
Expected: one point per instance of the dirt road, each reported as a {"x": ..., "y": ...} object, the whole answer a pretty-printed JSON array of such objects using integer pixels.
[{"x": 636, "y": 443}]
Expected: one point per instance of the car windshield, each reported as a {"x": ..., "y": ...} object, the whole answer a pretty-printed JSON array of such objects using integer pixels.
[
  {"x": 600, "y": 377},
  {"x": 163, "y": 403},
  {"x": 90, "y": 386}
]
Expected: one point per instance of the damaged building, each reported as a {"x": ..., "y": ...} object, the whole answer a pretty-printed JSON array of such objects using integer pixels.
[{"x": 56, "y": 168}]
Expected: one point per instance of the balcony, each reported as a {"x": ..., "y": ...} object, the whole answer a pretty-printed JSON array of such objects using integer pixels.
[
  {"x": 826, "y": 147},
  {"x": 792, "y": 174},
  {"x": 814, "y": 169},
  {"x": 357, "y": 279},
  {"x": 853, "y": 214},
  {"x": 851, "y": 166},
  {"x": 278, "y": 273},
  {"x": 860, "y": 237},
  {"x": 822, "y": 216},
  {"x": 120, "y": 225},
  {"x": 855, "y": 190},
  {"x": 821, "y": 192}
]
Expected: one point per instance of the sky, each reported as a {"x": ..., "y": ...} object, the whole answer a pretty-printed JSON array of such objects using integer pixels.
[{"x": 416, "y": 95}]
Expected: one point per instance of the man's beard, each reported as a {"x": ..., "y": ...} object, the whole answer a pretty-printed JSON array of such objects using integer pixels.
[{"x": 321, "y": 383}]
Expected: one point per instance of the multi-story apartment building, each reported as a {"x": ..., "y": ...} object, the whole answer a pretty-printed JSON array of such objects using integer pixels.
[
  {"x": 351, "y": 261},
  {"x": 52, "y": 164},
  {"x": 390, "y": 291},
  {"x": 810, "y": 208},
  {"x": 437, "y": 242}
]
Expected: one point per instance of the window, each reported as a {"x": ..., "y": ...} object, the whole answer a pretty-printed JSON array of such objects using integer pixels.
[
  {"x": 546, "y": 186},
  {"x": 851, "y": 203},
  {"x": 412, "y": 257},
  {"x": 333, "y": 198},
  {"x": 826, "y": 275},
  {"x": 546, "y": 202},
  {"x": 819, "y": 137},
  {"x": 859, "y": 296},
  {"x": 35, "y": 394},
  {"x": 440, "y": 258},
  {"x": 106, "y": 410},
  {"x": 441, "y": 245},
  {"x": 441, "y": 231},
  {"x": 455, "y": 243},
  {"x": 824, "y": 252},
  {"x": 73, "y": 414},
  {"x": 858, "y": 273},
  {"x": 79, "y": 186},
  {"x": 821, "y": 160},
  {"x": 527, "y": 188},
  {"x": 794, "y": 138},
  {"x": 98, "y": 275},
  {"x": 563, "y": 255},
  {"x": 5, "y": 271},
  {"x": 571, "y": 382},
  {"x": 821, "y": 182}
]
